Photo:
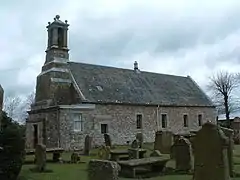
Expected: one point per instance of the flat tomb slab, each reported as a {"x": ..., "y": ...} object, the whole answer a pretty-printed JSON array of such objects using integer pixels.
[
  {"x": 124, "y": 151},
  {"x": 49, "y": 150},
  {"x": 143, "y": 161}
]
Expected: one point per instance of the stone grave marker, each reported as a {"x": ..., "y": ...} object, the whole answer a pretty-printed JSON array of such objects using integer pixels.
[
  {"x": 183, "y": 154},
  {"x": 211, "y": 154},
  {"x": 229, "y": 134},
  {"x": 104, "y": 152},
  {"x": 107, "y": 140},
  {"x": 75, "y": 157},
  {"x": 139, "y": 137},
  {"x": 135, "y": 144},
  {"x": 103, "y": 170},
  {"x": 133, "y": 151},
  {"x": 87, "y": 145},
  {"x": 156, "y": 153},
  {"x": 40, "y": 156},
  {"x": 163, "y": 141}
]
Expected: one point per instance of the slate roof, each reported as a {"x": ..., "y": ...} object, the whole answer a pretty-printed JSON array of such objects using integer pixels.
[{"x": 116, "y": 85}]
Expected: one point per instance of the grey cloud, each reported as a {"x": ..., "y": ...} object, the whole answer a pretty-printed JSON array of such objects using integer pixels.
[{"x": 107, "y": 39}]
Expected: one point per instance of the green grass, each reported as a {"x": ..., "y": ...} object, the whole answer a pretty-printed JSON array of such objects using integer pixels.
[{"x": 79, "y": 171}]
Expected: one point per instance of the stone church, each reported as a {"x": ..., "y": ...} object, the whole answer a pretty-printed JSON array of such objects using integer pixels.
[{"x": 76, "y": 99}]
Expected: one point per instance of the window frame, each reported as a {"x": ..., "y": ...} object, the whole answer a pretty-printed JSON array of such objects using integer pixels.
[
  {"x": 79, "y": 120},
  {"x": 200, "y": 115},
  {"x": 166, "y": 122},
  {"x": 185, "y": 124},
  {"x": 106, "y": 128},
  {"x": 141, "y": 123}
]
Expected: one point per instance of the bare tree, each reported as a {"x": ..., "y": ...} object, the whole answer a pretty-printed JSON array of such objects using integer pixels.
[
  {"x": 26, "y": 106},
  {"x": 11, "y": 106},
  {"x": 223, "y": 86}
]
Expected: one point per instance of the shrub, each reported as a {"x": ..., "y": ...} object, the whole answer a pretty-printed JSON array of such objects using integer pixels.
[{"x": 12, "y": 154}]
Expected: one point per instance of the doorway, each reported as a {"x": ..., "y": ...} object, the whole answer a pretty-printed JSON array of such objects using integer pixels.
[{"x": 35, "y": 135}]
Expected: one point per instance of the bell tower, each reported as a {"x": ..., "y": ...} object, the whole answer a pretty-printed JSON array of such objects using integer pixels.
[
  {"x": 57, "y": 46},
  {"x": 54, "y": 81}
]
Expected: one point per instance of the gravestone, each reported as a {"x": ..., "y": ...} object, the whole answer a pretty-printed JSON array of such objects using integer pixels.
[
  {"x": 210, "y": 154},
  {"x": 75, "y": 157},
  {"x": 107, "y": 140},
  {"x": 156, "y": 153},
  {"x": 163, "y": 141},
  {"x": 139, "y": 137},
  {"x": 103, "y": 170},
  {"x": 87, "y": 145},
  {"x": 229, "y": 134},
  {"x": 104, "y": 152},
  {"x": 133, "y": 152},
  {"x": 183, "y": 154},
  {"x": 135, "y": 144},
  {"x": 40, "y": 156}
]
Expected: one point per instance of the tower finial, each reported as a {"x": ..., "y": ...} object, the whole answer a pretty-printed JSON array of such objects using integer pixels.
[{"x": 57, "y": 17}]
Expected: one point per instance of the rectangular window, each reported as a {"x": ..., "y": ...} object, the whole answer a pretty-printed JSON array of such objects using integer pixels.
[
  {"x": 200, "y": 120},
  {"x": 185, "y": 120},
  {"x": 104, "y": 128},
  {"x": 164, "y": 120},
  {"x": 78, "y": 122},
  {"x": 139, "y": 121}
]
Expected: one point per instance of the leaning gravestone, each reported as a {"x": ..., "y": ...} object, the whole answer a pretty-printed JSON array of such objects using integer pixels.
[
  {"x": 210, "y": 154},
  {"x": 103, "y": 170},
  {"x": 107, "y": 140},
  {"x": 229, "y": 134},
  {"x": 40, "y": 156},
  {"x": 183, "y": 154},
  {"x": 163, "y": 141},
  {"x": 87, "y": 145},
  {"x": 139, "y": 137}
]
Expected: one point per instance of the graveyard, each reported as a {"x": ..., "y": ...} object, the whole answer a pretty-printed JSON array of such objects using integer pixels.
[{"x": 210, "y": 154}]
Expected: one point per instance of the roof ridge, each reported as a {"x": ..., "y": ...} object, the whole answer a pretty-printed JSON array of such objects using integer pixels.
[{"x": 105, "y": 66}]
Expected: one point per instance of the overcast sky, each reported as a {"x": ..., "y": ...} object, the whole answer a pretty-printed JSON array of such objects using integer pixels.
[{"x": 180, "y": 37}]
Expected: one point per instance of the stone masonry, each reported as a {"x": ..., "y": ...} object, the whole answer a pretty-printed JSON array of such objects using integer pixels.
[{"x": 121, "y": 122}]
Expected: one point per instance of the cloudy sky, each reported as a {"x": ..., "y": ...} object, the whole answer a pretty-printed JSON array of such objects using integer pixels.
[{"x": 181, "y": 37}]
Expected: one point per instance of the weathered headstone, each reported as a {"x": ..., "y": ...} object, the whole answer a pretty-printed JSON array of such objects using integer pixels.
[
  {"x": 156, "y": 153},
  {"x": 163, "y": 141},
  {"x": 210, "y": 154},
  {"x": 183, "y": 154},
  {"x": 107, "y": 140},
  {"x": 103, "y": 170},
  {"x": 135, "y": 144},
  {"x": 75, "y": 157},
  {"x": 87, "y": 145},
  {"x": 40, "y": 156},
  {"x": 139, "y": 137},
  {"x": 229, "y": 134},
  {"x": 133, "y": 153},
  {"x": 104, "y": 152}
]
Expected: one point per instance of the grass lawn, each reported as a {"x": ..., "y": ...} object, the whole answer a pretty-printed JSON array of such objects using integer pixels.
[{"x": 79, "y": 171}]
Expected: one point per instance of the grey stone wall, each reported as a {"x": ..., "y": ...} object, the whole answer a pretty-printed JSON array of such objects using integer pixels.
[
  {"x": 121, "y": 122},
  {"x": 48, "y": 129}
]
